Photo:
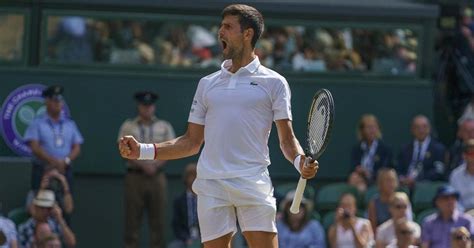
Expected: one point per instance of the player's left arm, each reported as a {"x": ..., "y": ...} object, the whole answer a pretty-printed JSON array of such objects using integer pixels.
[{"x": 291, "y": 148}]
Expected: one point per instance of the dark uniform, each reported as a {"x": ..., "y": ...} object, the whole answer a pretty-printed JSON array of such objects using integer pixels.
[{"x": 142, "y": 190}]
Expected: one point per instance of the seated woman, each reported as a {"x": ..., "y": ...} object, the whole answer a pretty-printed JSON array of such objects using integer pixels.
[
  {"x": 299, "y": 230},
  {"x": 349, "y": 230},
  {"x": 387, "y": 183},
  {"x": 370, "y": 153},
  {"x": 399, "y": 208}
]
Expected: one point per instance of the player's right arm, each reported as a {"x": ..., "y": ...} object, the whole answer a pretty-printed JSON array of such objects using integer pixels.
[{"x": 184, "y": 146}]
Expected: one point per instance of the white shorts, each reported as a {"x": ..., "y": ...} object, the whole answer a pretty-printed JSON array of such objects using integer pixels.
[{"x": 221, "y": 202}]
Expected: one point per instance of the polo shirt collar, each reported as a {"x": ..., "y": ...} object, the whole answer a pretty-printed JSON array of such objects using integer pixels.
[{"x": 250, "y": 67}]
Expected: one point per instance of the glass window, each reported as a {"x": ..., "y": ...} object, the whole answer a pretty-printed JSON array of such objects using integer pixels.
[
  {"x": 178, "y": 43},
  {"x": 12, "y": 30}
]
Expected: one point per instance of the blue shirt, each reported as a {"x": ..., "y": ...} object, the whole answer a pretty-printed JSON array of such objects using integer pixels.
[
  {"x": 56, "y": 138},
  {"x": 437, "y": 232},
  {"x": 311, "y": 236}
]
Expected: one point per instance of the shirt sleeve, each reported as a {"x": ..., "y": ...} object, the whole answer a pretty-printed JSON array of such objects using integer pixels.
[
  {"x": 197, "y": 114},
  {"x": 76, "y": 135},
  {"x": 281, "y": 101},
  {"x": 425, "y": 232},
  {"x": 32, "y": 132},
  {"x": 320, "y": 236}
]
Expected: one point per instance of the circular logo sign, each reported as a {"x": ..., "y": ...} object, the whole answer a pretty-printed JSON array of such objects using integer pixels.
[{"x": 18, "y": 110}]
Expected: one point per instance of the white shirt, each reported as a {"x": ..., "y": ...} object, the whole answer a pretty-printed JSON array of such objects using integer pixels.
[
  {"x": 386, "y": 232},
  {"x": 345, "y": 238},
  {"x": 463, "y": 182},
  {"x": 237, "y": 111},
  {"x": 8, "y": 228}
]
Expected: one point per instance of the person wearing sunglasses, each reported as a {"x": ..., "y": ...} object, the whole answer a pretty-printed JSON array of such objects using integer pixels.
[
  {"x": 405, "y": 233},
  {"x": 460, "y": 238},
  {"x": 400, "y": 208}
]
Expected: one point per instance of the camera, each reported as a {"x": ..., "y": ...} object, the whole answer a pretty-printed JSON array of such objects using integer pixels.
[{"x": 346, "y": 214}]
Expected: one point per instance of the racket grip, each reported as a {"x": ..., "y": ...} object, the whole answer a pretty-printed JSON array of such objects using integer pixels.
[{"x": 295, "y": 205}]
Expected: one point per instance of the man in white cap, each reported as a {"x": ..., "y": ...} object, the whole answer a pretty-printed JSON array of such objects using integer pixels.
[{"x": 45, "y": 210}]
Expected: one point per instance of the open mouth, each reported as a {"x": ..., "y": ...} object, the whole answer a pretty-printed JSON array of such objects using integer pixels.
[{"x": 224, "y": 45}]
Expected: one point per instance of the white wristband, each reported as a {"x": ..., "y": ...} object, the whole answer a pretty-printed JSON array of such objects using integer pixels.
[
  {"x": 296, "y": 163},
  {"x": 147, "y": 152}
]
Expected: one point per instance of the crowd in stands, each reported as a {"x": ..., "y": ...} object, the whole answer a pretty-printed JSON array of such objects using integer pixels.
[{"x": 77, "y": 39}]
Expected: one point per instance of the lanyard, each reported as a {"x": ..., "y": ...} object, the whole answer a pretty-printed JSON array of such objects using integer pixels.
[
  {"x": 58, "y": 133},
  {"x": 150, "y": 132}
]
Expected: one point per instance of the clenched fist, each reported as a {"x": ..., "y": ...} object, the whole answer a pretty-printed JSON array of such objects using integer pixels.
[{"x": 129, "y": 147}]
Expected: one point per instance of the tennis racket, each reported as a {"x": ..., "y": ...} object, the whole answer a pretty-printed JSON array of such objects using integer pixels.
[{"x": 320, "y": 122}]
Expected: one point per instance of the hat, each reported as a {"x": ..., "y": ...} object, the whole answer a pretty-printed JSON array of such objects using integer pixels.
[
  {"x": 55, "y": 92},
  {"x": 469, "y": 144},
  {"x": 446, "y": 190},
  {"x": 146, "y": 97},
  {"x": 44, "y": 198},
  {"x": 289, "y": 198}
]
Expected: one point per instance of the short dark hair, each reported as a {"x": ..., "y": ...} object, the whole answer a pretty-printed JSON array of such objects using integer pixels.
[{"x": 249, "y": 17}]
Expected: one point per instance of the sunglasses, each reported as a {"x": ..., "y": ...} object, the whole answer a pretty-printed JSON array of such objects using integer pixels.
[
  {"x": 400, "y": 206},
  {"x": 462, "y": 237},
  {"x": 406, "y": 232}
]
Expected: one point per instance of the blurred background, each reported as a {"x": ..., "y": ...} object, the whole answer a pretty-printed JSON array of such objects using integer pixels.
[{"x": 391, "y": 58}]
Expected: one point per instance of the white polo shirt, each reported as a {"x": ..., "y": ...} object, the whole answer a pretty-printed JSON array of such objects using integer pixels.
[
  {"x": 463, "y": 182},
  {"x": 237, "y": 110}
]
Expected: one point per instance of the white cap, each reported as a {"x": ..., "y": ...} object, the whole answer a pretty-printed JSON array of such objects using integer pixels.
[{"x": 44, "y": 198}]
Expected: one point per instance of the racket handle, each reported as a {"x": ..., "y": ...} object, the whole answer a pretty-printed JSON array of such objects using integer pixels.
[{"x": 295, "y": 205}]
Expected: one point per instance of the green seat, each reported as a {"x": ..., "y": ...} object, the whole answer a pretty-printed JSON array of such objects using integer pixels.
[
  {"x": 328, "y": 219},
  {"x": 328, "y": 196},
  {"x": 423, "y": 195},
  {"x": 18, "y": 215},
  {"x": 315, "y": 216},
  {"x": 283, "y": 189},
  {"x": 420, "y": 217}
]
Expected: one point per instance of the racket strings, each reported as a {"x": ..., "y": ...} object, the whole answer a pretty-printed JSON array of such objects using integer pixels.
[{"x": 319, "y": 122}]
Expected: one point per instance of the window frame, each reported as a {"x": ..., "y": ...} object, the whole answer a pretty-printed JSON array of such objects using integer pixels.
[
  {"x": 25, "y": 50},
  {"x": 417, "y": 28}
]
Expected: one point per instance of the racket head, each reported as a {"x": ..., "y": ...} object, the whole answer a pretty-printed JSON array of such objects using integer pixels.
[{"x": 320, "y": 122}]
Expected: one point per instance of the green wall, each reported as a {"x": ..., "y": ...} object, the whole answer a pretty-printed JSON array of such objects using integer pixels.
[{"x": 100, "y": 102}]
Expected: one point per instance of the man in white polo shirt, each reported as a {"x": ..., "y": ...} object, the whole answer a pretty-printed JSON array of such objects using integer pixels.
[{"x": 232, "y": 113}]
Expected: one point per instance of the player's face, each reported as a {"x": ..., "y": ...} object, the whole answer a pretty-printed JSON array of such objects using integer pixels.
[{"x": 231, "y": 37}]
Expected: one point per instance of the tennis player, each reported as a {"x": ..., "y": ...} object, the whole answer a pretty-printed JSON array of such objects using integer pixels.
[{"x": 232, "y": 113}]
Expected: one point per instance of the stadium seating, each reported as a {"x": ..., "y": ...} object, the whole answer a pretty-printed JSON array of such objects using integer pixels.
[
  {"x": 18, "y": 215},
  {"x": 423, "y": 195}
]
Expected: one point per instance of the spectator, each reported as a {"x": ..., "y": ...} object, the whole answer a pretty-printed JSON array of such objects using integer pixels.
[
  {"x": 185, "y": 222},
  {"x": 299, "y": 230},
  {"x": 349, "y": 230},
  {"x": 435, "y": 230},
  {"x": 145, "y": 181},
  {"x": 371, "y": 153},
  {"x": 54, "y": 139},
  {"x": 359, "y": 180},
  {"x": 56, "y": 182},
  {"x": 8, "y": 231},
  {"x": 461, "y": 238},
  {"x": 399, "y": 208},
  {"x": 45, "y": 211},
  {"x": 464, "y": 133},
  {"x": 421, "y": 159},
  {"x": 462, "y": 178},
  {"x": 72, "y": 41},
  {"x": 378, "y": 208},
  {"x": 405, "y": 234},
  {"x": 51, "y": 241}
]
